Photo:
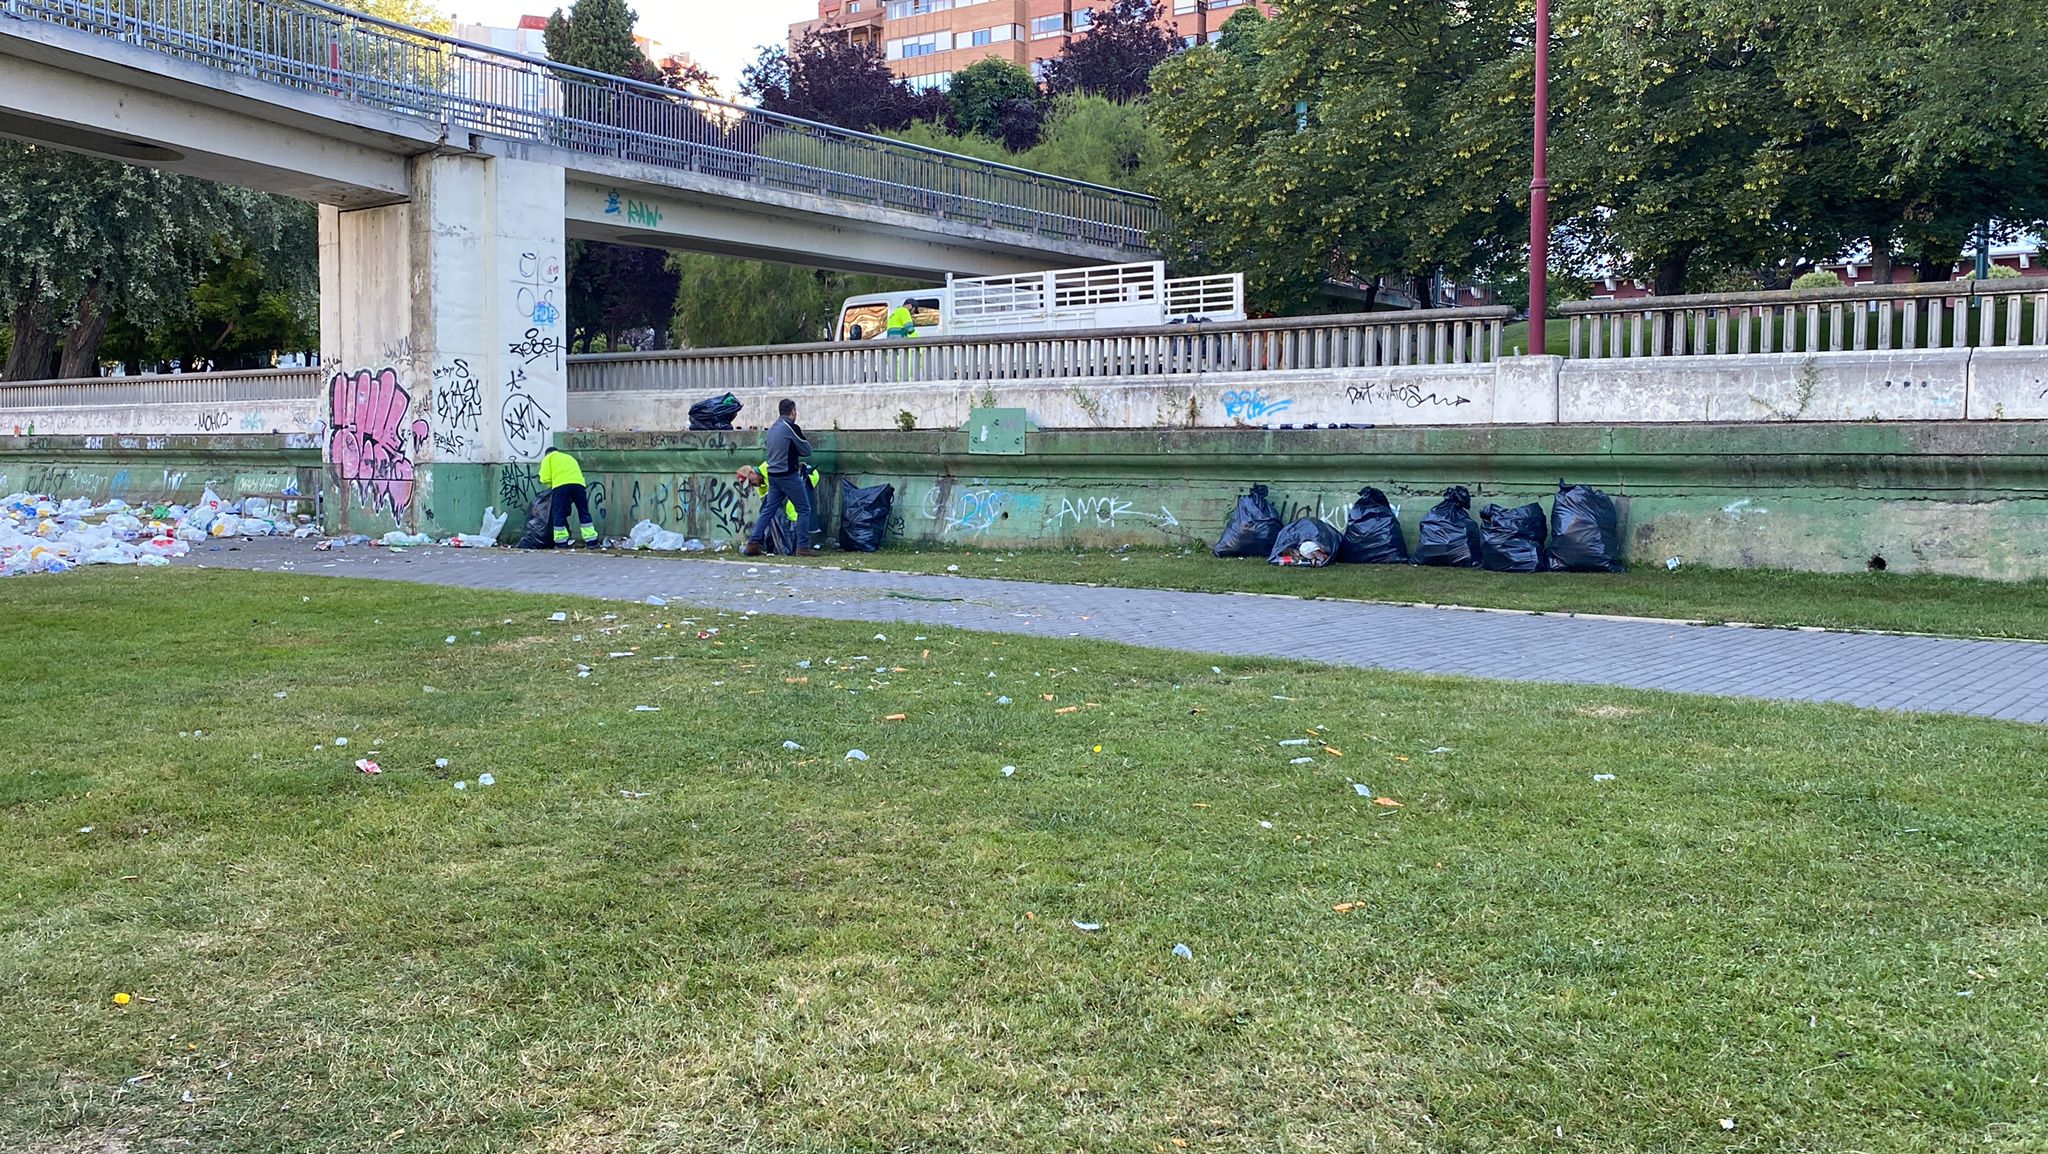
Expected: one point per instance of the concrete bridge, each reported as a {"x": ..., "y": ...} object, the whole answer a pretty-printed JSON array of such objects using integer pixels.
[{"x": 450, "y": 176}]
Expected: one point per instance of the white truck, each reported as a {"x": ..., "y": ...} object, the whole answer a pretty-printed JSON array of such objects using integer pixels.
[{"x": 1112, "y": 296}]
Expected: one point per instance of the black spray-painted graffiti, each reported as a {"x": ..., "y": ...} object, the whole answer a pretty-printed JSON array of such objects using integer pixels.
[
  {"x": 519, "y": 486},
  {"x": 1410, "y": 395},
  {"x": 458, "y": 398},
  {"x": 214, "y": 422},
  {"x": 534, "y": 346},
  {"x": 709, "y": 506},
  {"x": 526, "y": 424}
]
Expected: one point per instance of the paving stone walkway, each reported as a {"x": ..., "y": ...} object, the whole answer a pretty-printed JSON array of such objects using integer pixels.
[{"x": 2002, "y": 679}]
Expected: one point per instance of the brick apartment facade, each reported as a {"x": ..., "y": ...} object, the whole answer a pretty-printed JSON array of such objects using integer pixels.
[{"x": 926, "y": 41}]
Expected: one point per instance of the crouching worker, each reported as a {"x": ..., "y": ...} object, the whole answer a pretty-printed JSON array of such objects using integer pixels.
[
  {"x": 563, "y": 478},
  {"x": 785, "y": 466},
  {"x": 782, "y": 535}
]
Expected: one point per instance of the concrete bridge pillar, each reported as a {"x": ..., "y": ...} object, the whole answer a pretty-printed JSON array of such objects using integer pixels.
[{"x": 441, "y": 329}]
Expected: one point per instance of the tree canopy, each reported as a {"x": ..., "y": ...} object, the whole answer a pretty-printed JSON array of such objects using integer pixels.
[
  {"x": 997, "y": 99},
  {"x": 827, "y": 79},
  {"x": 1115, "y": 55}
]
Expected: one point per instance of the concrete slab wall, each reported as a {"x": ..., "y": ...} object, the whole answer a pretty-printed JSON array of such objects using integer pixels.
[
  {"x": 1945, "y": 497},
  {"x": 1888, "y": 386}
]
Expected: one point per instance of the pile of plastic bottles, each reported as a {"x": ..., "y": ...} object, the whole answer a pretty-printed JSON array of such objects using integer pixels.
[{"x": 39, "y": 535}]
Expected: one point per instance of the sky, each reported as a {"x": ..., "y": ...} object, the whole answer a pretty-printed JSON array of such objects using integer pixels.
[{"x": 724, "y": 35}]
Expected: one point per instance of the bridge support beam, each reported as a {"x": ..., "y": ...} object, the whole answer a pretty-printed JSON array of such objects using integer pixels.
[{"x": 441, "y": 329}]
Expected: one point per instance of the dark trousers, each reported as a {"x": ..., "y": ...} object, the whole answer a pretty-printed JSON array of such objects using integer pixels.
[
  {"x": 560, "y": 498},
  {"x": 791, "y": 489}
]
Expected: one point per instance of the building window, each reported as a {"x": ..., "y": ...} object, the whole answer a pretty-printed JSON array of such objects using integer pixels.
[
  {"x": 1083, "y": 19},
  {"x": 929, "y": 82},
  {"x": 1213, "y": 37},
  {"x": 981, "y": 36},
  {"x": 898, "y": 9},
  {"x": 1044, "y": 26},
  {"x": 1215, "y": 4},
  {"x": 911, "y": 47},
  {"x": 853, "y": 7},
  {"x": 1190, "y": 41},
  {"x": 1183, "y": 7}
]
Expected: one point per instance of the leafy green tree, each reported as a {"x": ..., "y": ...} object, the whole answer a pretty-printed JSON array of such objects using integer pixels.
[
  {"x": 616, "y": 288},
  {"x": 90, "y": 240},
  {"x": 727, "y": 303},
  {"x": 833, "y": 81},
  {"x": 999, "y": 100},
  {"x": 1084, "y": 138},
  {"x": 257, "y": 296},
  {"x": 598, "y": 35}
]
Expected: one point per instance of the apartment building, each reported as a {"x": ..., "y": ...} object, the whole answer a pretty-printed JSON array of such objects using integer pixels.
[{"x": 926, "y": 41}]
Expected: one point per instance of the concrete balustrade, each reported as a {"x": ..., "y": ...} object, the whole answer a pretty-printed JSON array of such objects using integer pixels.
[{"x": 2008, "y": 313}]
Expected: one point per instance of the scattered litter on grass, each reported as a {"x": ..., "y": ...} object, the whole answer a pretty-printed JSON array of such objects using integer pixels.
[
  {"x": 855, "y": 755},
  {"x": 450, "y": 640},
  {"x": 1277, "y": 697},
  {"x": 1727, "y": 1123},
  {"x": 85, "y": 829},
  {"x": 1009, "y": 770},
  {"x": 428, "y": 689},
  {"x": 558, "y": 616},
  {"x": 1216, "y": 669},
  {"x": 279, "y": 695},
  {"x": 1603, "y": 777},
  {"x": 1265, "y": 825},
  {"x": 896, "y": 717},
  {"x": 1002, "y": 701},
  {"x": 1671, "y": 563},
  {"x": 656, "y": 601},
  {"x": 486, "y": 779},
  {"x": 1300, "y": 760},
  {"x": 440, "y": 763},
  {"x": 462, "y": 785},
  {"x": 341, "y": 741},
  {"x": 1361, "y": 789},
  {"x": 621, "y": 653},
  {"x": 804, "y": 664},
  {"x": 1066, "y": 709},
  {"x": 634, "y": 794},
  {"x": 1180, "y": 950},
  {"x": 1441, "y": 749},
  {"x": 1333, "y": 751},
  {"x": 1087, "y": 927},
  {"x": 647, "y": 709},
  {"x": 1295, "y": 741},
  {"x": 368, "y": 766},
  {"x": 1347, "y": 907},
  {"x": 1389, "y": 802}
]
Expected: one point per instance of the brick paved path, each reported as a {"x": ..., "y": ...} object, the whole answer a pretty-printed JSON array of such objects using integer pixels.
[{"x": 2003, "y": 679}]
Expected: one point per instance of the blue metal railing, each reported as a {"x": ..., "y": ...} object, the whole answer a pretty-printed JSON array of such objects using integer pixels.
[{"x": 318, "y": 48}]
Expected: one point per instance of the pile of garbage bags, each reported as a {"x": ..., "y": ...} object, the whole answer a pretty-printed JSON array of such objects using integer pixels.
[
  {"x": 42, "y": 535},
  {"x": 1581, "y": 535}
]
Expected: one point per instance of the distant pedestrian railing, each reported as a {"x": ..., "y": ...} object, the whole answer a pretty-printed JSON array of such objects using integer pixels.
[
  {"x": 1950, "y": 315},
  {"x": 1358, "y": 340},
  {"x": 318, "y": 48},
  {"x": 175, "y": 389}
]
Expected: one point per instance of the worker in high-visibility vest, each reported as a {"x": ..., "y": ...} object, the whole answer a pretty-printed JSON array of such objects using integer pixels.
[
  {"x": 902, "y": 321},
  {"x": 563, "y": 478},
  {"x": 754, "y": 478}
]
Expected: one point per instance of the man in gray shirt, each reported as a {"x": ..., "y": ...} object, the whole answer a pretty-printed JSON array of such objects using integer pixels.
[{"x": 786, "y": 449}]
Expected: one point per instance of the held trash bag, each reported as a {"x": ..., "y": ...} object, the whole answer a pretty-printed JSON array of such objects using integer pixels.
[
  {"x": 1449, "y": 535},
  {"x": 715, "y": 412},
  {"x": 863, "y": 515},
  {"x": 1372, "y": 533},
  {"x": 1511, "y": 539},
  {"x": 1585, "y": 531},
  {"x": 1252, "y": 529},
  {"x": 537, "y": 535},
  {"x": 1309, "y": 541}
]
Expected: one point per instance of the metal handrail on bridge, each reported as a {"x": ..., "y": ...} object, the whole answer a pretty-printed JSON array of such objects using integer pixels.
[
  {"x": 2009, "y": 313},
  {"x": 1431, "y": 337},
  {"x": 316, "y": 47}
]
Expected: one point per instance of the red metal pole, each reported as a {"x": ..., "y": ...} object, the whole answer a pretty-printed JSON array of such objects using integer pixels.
[{"x": 1539, "y": 191}]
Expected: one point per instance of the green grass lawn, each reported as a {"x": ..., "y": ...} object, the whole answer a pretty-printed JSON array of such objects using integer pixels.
[
  {"x": 1828, "y": 926},
  {"x": 1918, "y": 603}
]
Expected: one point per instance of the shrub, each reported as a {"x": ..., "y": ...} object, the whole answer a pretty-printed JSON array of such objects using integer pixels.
[{"x": 1817, "y": 279}]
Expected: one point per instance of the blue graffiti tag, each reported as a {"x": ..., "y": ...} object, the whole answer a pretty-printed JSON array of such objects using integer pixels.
[{"x": 1251, "y": 404}]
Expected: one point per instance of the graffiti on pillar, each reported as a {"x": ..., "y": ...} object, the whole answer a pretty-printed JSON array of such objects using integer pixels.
[
  {"x": 540, "y": 277},
  {"x": 527, "y": 425},
  {"x": 369, "y": 443},
  {"x": 458, "y": 397}
]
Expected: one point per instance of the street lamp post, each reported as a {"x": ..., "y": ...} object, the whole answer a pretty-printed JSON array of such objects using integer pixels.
[{"x": 1539, "y": 191}]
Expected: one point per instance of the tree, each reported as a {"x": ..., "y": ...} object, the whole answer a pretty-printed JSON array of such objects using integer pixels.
[
  {"x": 726, "y": 303},
  {"x": 598, "y": 35},
  {"x": 90, "y": 240},
  {"x": 1084, "y": 138},
  {"x": 830, "y": 80},
  {"x": 257, "y": 296},
  {"x": 999, "y": 100},
  {"x": 616, "y": 288},
  {"x": 685, "y": 75},
  {"x": 1116, "y": 55},
  {"x": 413, "y": 13},
  {"x": 1334, "y": 142}
]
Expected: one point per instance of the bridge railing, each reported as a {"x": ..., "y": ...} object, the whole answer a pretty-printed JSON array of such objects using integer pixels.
[
  {"x": 315, "y": 47},
  {"x": 1360, "y": 340},
  {"x": 1876, "y": 318},
  {"x": 227, "y": 388}
]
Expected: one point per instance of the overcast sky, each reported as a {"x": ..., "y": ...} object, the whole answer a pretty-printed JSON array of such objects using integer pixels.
[{"x": 724, "y": 35}]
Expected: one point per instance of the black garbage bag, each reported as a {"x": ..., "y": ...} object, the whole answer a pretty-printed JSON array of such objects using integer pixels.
[
  {"x": 1449, "y": 535},
  {"x": 1309, "y": 541},
  {"x": 864, "y": 515},
  {"x": 715, "y": 412},
  {"x": 1585, "y": 531},
  {"x": 1511, "y": 539},
  {"x": 537, "y": 535},
  {"x": 1372, "y": 533},
  {"x": 1252, "y": 529}
]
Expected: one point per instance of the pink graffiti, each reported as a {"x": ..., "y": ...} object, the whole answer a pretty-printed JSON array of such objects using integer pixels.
[{"x": 366, "y": 449}]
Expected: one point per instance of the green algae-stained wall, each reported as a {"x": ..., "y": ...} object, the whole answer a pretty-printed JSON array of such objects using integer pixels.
[{"x": 1953, "y": 497}]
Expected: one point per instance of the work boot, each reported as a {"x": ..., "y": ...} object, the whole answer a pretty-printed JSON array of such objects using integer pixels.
[
  {"x": 751, "y": 549},
  {"x": 807, "y": 551}
]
